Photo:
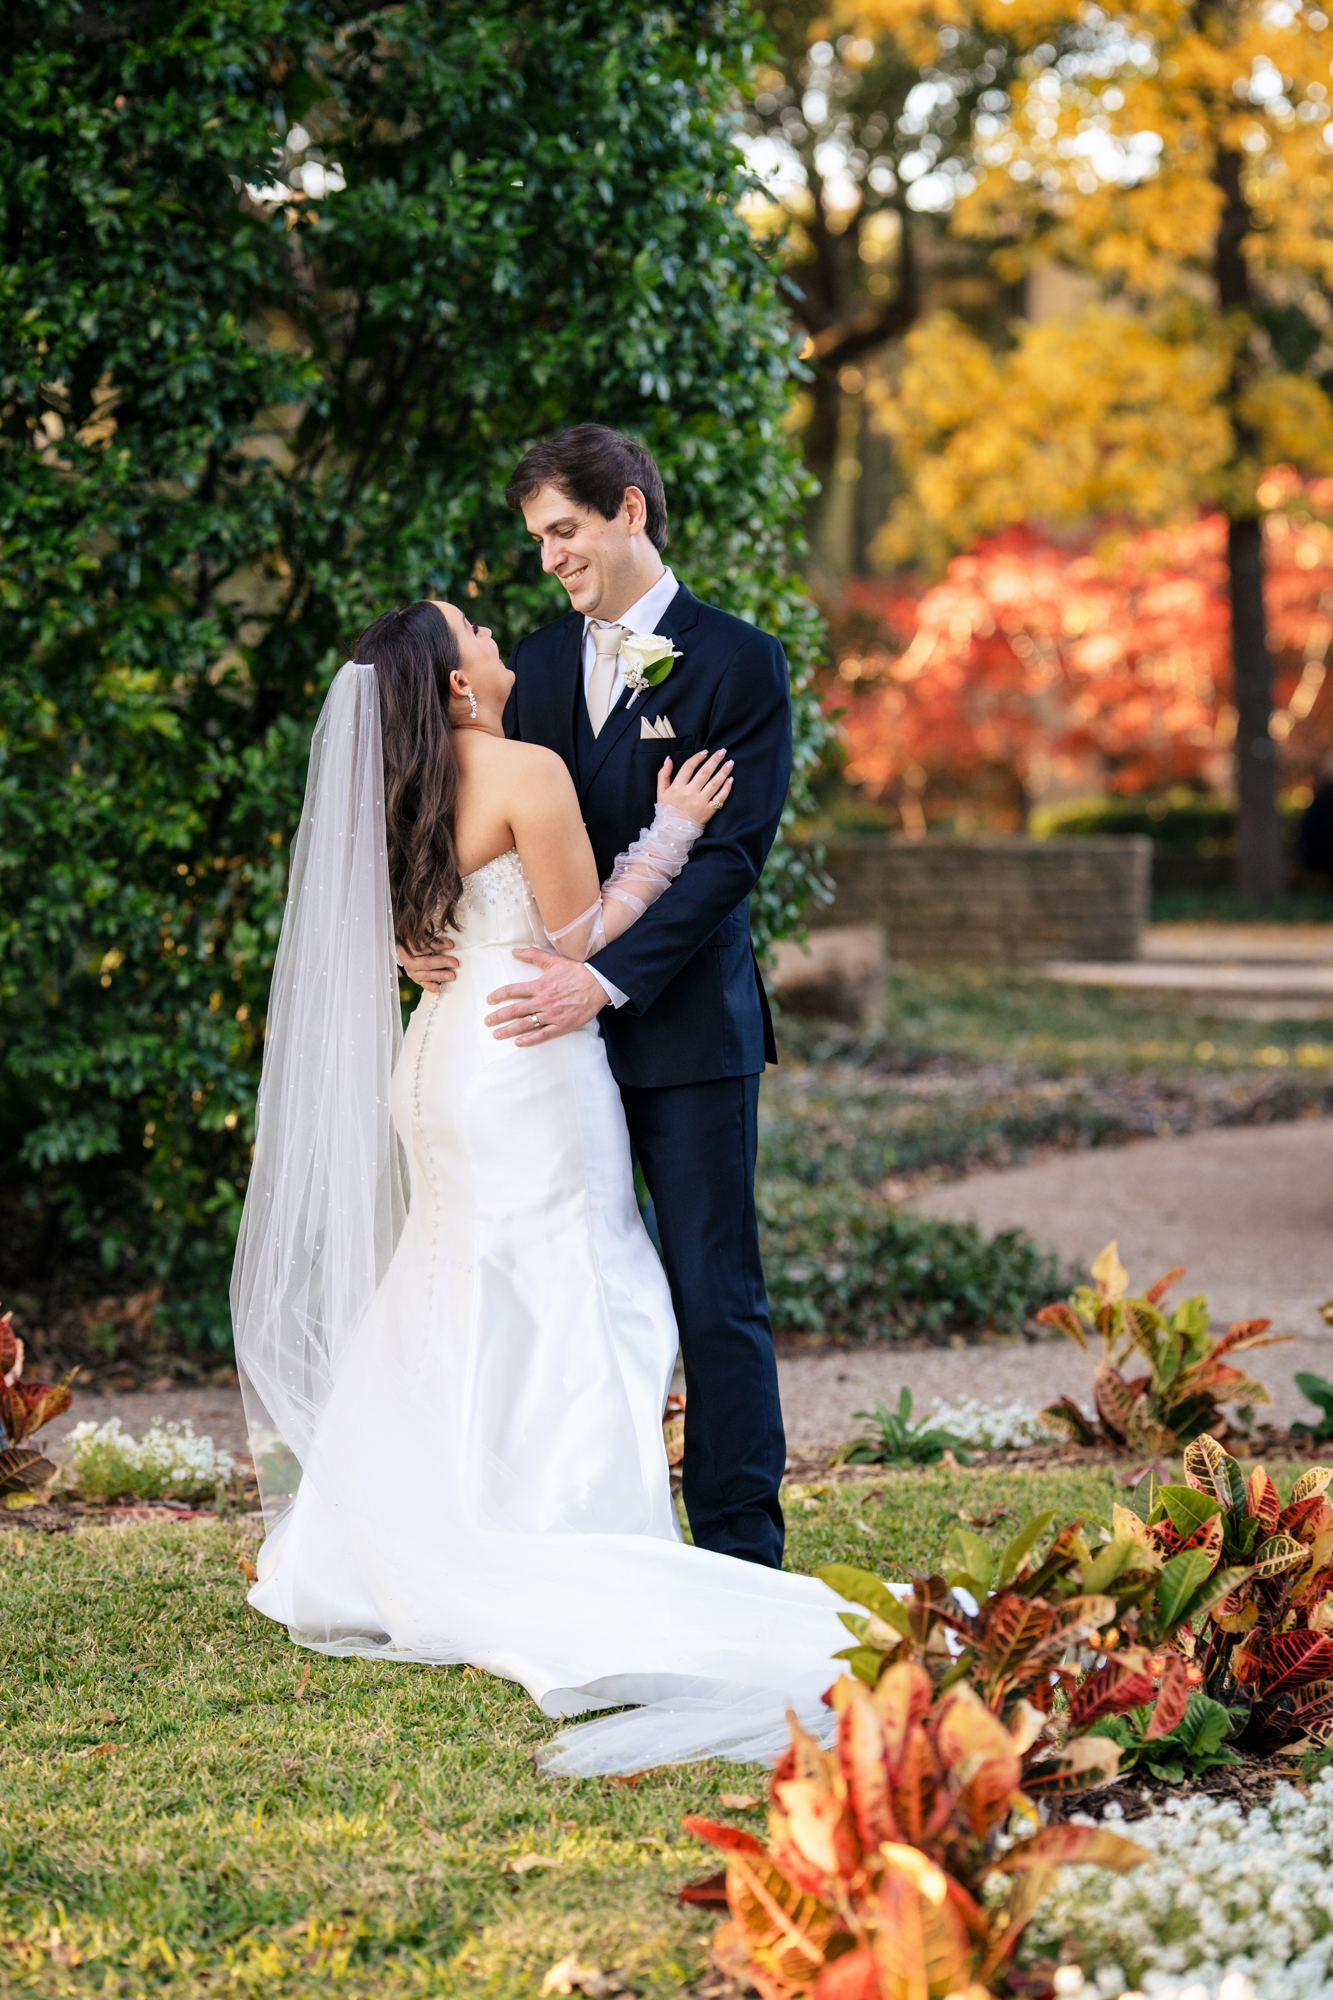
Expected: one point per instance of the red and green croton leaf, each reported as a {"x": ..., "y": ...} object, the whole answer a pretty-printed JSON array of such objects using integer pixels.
[
  {"x": 1111, "y": 1690},
  {"x": 1066, "y": 1419},
  {"x": 26, "y": 1406},
  {"x": 1172, "y": 1697},
  {"x": 1156, "y": 1293},
  {"x": 1065, "y": 1320},
  {"x": 1292, "y": 1660},
  {"x": 1115, "y": 1401},
  {"x": 1261, "y": 1500}
]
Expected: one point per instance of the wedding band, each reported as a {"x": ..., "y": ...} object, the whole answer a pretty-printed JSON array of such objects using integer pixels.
[{"x": 536, "y": 1020}]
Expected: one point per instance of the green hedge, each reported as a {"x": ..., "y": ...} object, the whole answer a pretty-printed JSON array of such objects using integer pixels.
[{"x": 234, "y": 428}]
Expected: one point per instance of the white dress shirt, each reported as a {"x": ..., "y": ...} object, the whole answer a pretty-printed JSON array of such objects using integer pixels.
[{"x": 643, "y": 618}]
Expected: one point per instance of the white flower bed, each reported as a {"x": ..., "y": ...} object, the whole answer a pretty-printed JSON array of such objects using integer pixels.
[
  {"x": 167, "y": 1463},
  {"x": 989, "y": 1426},
  {"x": 1230, "y": 1897},
  {"x": 1071, "y": 1985}
]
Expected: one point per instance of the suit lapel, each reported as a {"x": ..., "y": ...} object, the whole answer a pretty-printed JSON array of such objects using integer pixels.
[
  {"x": 557, "y": 685},
  {"x": 617, "y": 722},
  {"x": 680, "y": 615}
]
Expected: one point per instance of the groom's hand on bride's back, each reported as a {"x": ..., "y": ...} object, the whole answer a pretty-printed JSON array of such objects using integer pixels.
[
  {"x": 431, "y": 969},
  {"x": 565, "y": 997}
]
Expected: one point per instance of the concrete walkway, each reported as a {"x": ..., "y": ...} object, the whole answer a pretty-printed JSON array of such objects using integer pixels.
[{"x": 1268, "y": 972}]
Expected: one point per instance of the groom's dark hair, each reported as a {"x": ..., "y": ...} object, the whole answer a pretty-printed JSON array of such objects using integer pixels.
[{"x": 593, "y": 465}]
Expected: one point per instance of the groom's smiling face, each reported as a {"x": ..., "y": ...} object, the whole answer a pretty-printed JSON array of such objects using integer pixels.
[{"x": 599, "y": 562}]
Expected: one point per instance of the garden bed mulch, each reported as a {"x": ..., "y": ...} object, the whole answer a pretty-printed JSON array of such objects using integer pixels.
[
  {"x": 62, "y": 1515},
  {"x": 1267, "y": 1444},
  {"x": 822, "y": 1466},
  {"x": 1250, "y": 1783}
]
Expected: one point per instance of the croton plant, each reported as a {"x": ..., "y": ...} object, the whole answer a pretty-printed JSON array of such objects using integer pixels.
[
  {"x": 975, "y": 1693},
  {"x": 24, "y": 1408},
  {"x": 1188, "y": 1374},
  {"x": 1088, "y": 1621},
  {"x": 871, "y": 1881},
  {"x": 1266, "y": 1647}
]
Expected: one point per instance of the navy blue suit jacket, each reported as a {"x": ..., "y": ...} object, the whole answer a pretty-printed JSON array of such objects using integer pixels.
[{"x": 696, "y": 1007}]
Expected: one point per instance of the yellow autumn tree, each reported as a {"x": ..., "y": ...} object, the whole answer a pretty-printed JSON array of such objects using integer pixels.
[{"x": 1180, "y": 156}]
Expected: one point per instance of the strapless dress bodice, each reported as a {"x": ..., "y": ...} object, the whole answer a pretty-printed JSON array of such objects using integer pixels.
[{"x": 497, "y": 906}]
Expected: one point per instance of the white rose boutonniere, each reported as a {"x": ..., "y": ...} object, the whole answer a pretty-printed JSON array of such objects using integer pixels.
[{"x": 647, "y": 659}]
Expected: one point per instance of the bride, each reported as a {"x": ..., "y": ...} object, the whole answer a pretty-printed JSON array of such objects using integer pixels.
[{"x": 454, "y": 1336}]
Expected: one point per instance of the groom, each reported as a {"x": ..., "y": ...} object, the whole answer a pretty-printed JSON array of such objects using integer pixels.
[{"x": 678, "y": 995}]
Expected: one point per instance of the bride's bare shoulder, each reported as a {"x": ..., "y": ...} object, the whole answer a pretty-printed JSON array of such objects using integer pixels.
[{"x": 525, "y": 769}]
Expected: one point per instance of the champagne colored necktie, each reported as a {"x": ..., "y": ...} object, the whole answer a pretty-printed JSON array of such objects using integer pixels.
[{"x": 606, "y": 639}]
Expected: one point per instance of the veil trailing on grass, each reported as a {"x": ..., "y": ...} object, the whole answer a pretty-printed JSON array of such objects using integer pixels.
[{"x": 328, "y": 1188}]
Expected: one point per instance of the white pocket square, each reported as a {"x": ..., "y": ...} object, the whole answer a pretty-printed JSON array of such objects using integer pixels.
[{"x": 661, "y": 728}]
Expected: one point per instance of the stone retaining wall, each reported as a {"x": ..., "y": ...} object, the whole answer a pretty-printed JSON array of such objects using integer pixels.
[{"x": 1001, "y": 899}]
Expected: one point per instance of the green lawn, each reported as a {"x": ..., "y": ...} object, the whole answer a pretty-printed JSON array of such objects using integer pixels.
[{"x": 239, "y": 1835}]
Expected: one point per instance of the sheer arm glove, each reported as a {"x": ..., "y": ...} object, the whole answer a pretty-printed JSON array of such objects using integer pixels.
[{"x": 640, "y": 875}]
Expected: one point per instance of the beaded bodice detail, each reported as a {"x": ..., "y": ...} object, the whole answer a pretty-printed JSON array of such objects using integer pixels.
[{"x": 497, "y": 904}]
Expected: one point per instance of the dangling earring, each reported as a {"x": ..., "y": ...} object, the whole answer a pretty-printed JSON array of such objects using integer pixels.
[{"x": 472, "y": 704}]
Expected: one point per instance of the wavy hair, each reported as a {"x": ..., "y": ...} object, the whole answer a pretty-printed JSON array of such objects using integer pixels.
[
  {"x": 593, "y": 465},
  {"x": 413, "y": 652}
]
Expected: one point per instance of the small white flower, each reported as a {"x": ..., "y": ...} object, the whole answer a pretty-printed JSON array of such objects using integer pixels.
[
  {"x": 989, "y": 1426},
  {"x": 1232, "y": 1907},
  {"x": 167, "y": 1463}
]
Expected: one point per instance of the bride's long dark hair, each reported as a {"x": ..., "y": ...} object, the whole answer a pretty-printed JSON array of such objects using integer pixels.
[{"x": 413, "y": 652}]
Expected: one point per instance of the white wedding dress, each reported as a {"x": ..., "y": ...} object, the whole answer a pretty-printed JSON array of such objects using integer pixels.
[{"x": 486, "y": 1480}]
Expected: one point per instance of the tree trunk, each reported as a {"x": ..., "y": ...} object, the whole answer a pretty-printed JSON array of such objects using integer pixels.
[
  {"x": 1261, "y": 867},
  {"x": 842, "y": 332},
  {"x": 820, "y": 443}
]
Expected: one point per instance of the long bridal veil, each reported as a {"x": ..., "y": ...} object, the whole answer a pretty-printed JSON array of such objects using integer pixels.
[{"x": 328, "y": 1187}]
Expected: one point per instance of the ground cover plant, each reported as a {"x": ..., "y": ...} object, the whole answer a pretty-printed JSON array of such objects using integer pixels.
[
  {"x": 981, "y": 1065},
  {"x": 990, "y": 1426},
  {"x": 186, "y": 1800},
  {"x": 978, "y": 1067},
  {"x": 1189, "y": 1370},
  {"x": 839, "y": 1261},
  {"x": 1226, "y": 1898},
  {"x": 167, "y": 1463}
]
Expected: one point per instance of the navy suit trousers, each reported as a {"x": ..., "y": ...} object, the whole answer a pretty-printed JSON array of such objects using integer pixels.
[{"x": 696, "y": 1143}]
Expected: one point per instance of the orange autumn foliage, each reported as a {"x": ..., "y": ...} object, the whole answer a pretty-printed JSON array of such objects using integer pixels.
[{"x": 1104, "y": 659}]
